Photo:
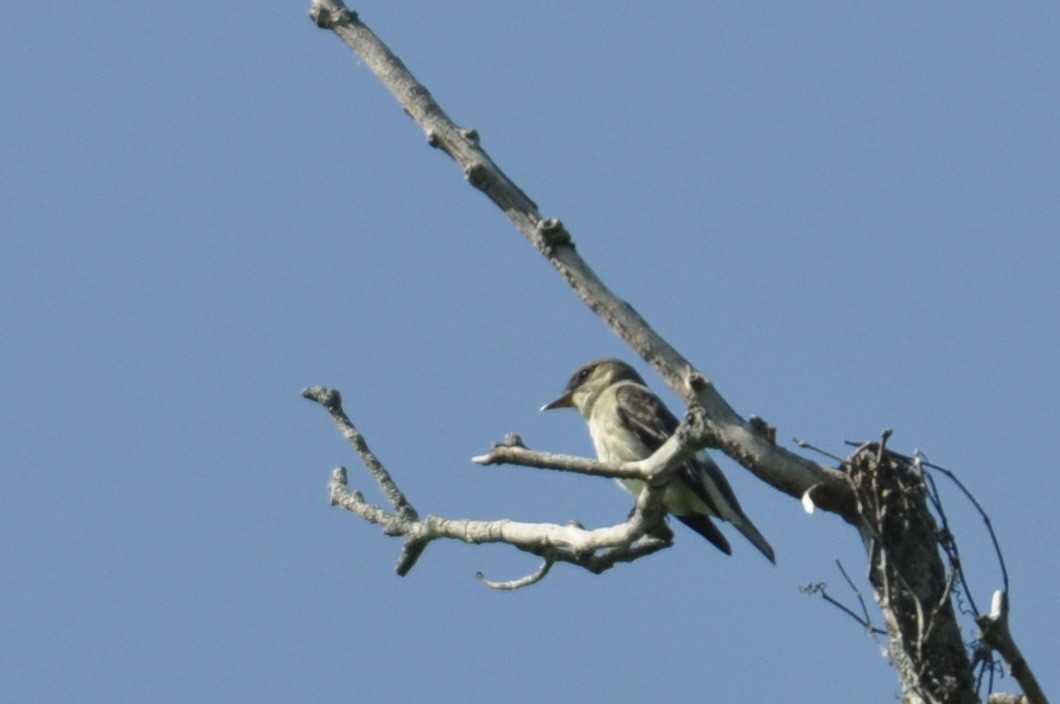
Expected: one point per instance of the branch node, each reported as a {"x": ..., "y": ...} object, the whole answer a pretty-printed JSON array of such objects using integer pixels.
[
  {"x": 329, "y": 15},
  {"x": 512, "y": 440},
  {"x": 764, "y": 430},
  {"x": 697, "y": 382},
  {"x": 339, "y": 485},
  {"x": 478, "y": 175},
  {"x": 339, "y": 476},
  {"x": 696, "y": 429},
  {"x": 471, "y": 135},
  {"x": 496, "y": 454},
  {"x": 328, "y": 398},
  {"x": 551, "y": 233}
]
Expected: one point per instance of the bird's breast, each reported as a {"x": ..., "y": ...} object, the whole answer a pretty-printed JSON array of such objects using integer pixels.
[{"x": 614, "y": 442}]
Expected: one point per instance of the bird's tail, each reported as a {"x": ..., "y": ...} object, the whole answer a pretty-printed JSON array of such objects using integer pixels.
[
  {"x": 749, "y": 531},
  {"x": 704, "y": 477},
  {"x": 702, "y": 524}
]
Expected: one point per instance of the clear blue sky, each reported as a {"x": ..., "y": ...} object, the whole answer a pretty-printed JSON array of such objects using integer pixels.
[{"x": 846, "y": 217}]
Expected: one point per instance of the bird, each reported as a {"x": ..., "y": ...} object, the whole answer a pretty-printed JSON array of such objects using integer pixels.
[{"x": 627, "y": 423}]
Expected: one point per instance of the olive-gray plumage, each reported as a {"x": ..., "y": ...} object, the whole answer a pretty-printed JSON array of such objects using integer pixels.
[{"x": 628, "y": 422}]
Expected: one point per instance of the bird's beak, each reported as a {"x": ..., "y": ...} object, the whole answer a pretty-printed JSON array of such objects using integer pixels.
[{"x": 563, "y": 401}]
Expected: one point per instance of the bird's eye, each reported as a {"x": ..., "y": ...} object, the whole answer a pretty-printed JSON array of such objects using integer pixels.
[{"x": 582, "y": 373}]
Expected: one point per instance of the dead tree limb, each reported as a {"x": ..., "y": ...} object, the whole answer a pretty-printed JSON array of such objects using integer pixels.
[
  {"x": 643, "y": 533},
  {"x": 878, "y": 492},
  {"x": 994, "y": 631},
  {"x": 729, "y": 432}
]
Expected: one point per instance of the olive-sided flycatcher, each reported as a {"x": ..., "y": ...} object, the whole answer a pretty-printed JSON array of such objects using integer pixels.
[{"x": 628, "y": 423}]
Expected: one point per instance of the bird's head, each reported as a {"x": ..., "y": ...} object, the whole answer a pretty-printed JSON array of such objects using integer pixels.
[{"x": 589, "y": 380}]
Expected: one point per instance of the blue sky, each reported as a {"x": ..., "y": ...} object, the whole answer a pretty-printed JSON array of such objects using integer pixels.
[{"x": 846, "y": 216}]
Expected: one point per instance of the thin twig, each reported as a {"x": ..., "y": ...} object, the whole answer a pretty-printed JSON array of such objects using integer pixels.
[
  {"x": 517, "y": 455},
  {"x": 866, "y": 620},
  {"x": 331, "y": 399},
  {"x": 807, "y": 446},
  {"x": 982, "y": 514},
  {"x": 532, "y": 578},
  {"x": 947, "y": 541},
  {"x": 822, "y": 589}
]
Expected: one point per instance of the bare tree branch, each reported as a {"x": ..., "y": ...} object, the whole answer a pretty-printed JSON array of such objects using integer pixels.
[
  {"x": 512, "y": 451},
  {"x": 730, "y": 433},
  {"x": 881, "y": 493},
  {"x": 994, "y": 631},
  {"x": 332, "y": 401},
  {"x": 642, "y": 534}
]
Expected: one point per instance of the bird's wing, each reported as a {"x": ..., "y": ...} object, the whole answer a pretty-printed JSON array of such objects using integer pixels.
[
  {"x": 642, "y": 412},
  {"x": 652, "y": 422},
  {"x": 702, "y": 470}
]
